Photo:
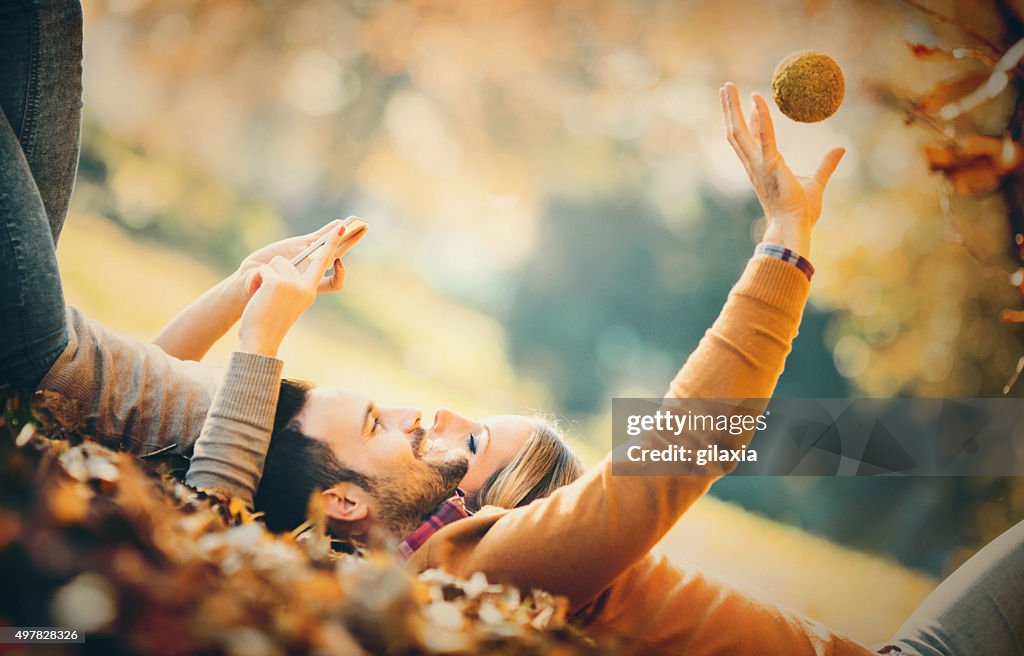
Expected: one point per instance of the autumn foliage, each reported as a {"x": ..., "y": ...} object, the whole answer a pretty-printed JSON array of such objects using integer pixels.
[
  {"x": 979, "y": 161},
  {"x": 978, "y": 165},
  {"x": 95, "y": 539}
]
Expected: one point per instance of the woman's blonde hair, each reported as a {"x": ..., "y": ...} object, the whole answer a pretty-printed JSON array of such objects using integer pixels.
[{"x": 544, "y": 464}]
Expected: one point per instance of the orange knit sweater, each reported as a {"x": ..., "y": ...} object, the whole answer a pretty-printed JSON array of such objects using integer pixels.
[{"x": 590, "y": 540}]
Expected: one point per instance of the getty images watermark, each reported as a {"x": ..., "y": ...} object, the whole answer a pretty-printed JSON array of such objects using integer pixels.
[{"x": 818, "y": 437}]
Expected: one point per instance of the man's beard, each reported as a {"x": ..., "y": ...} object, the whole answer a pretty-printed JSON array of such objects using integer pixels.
[{"x": 406, "y": 501}]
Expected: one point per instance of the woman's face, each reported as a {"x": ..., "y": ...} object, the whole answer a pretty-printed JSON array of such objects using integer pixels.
[{"x": 490, "y": 443}]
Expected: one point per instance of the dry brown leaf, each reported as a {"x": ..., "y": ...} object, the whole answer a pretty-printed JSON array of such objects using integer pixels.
[
  {"x": 192, "y": 572},
  {"x": 10, "y": 528},
  {"x": 936, "y": 54},
  {"x": 978, "y": 165},
  {"x": 949, "y": 91},
  {"x": 69, "y": 502},
  {"x": 1012, "y": 316}
]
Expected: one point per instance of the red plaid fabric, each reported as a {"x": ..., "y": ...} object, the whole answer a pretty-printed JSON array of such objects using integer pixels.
[{"x": 450, "y": 511}]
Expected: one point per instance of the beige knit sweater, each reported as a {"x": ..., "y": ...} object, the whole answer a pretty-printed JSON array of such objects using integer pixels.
[{"x": 132, "y": 396}]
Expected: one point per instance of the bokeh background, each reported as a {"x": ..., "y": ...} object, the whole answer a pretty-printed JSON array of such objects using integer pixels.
[{"x": 556, "y": 217}]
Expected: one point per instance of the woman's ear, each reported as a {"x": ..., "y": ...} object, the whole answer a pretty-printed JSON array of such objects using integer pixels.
[{"x": 347, "y": 502}]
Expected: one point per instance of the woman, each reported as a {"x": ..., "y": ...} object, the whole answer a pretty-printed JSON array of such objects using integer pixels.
[{"x": 513, "y": 459}]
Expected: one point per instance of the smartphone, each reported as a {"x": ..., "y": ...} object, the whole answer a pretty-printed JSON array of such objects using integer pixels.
[{"x": 354, "y": 228}]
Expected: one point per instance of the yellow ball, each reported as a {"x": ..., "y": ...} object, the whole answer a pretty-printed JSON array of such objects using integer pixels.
[{"x": 808, "y": 86}]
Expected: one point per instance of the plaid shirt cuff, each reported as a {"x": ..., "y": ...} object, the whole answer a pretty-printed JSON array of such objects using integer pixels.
[
  {"x": 450, "y": 511},
  {"x": 786, "y": 255}
]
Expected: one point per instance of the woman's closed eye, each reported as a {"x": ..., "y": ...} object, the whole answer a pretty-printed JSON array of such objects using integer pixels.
[{"x": 471, "y": 444}]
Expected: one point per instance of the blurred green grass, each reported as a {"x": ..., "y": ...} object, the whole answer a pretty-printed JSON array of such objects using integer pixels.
[{"x": 385, "y": 334}]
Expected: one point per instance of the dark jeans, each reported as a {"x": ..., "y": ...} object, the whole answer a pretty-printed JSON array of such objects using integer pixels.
[
  {"x": 41, "y": 101},
  {"x": 977, "y": 610}
]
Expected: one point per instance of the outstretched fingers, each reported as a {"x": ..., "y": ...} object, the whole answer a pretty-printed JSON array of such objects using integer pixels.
[
  {"x": 736, "y": 129},
  {"x": 765, "y": 129},
  {"x": 755, "y": 127},
  {"x": 828, "y": 165}
]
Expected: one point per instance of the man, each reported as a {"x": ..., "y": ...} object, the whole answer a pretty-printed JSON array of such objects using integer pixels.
[
  {"x": 141, "y": 397},
  {"x": 389, "y": 475}
]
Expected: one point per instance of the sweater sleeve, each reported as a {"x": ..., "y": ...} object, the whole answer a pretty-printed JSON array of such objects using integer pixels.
[
  {"x": 620, "y": 518},
  {"x": 129, "y": 394},
  {"x": 232, "y": 445}
]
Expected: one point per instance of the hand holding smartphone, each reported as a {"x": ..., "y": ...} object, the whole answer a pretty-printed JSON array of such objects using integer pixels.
[{"x": 354, "y": 230}]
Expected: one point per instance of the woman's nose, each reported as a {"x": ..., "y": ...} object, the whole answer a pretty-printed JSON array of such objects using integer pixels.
[{"x": 445, "y": 419}]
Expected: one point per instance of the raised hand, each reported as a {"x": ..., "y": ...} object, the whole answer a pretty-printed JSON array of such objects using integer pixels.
[
  {"x": 195, "y": 329},
  {"x": 282, "y": 293},
  {"x": 289, "y": 248},
  {"x": 792, "y": 204}
]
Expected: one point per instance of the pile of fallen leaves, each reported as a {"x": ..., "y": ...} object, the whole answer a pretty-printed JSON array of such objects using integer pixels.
[{"x": 96, "y": 540}]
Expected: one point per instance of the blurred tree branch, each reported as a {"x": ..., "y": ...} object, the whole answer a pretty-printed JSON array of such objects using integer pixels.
[
  {"x": 949, "y": 20},
  {"x": 981, "y": 163}
]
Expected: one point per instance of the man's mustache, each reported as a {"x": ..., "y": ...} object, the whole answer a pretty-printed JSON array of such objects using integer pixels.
[{"x": 418, "y": 435}]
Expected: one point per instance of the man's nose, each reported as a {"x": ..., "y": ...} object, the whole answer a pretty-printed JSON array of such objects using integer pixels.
[
  {"x": 442, "y": 418},
  {"x": 408, "y": 419}
]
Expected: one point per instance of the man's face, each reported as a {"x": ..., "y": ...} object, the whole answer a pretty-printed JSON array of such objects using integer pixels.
[{"x": 388, "y": 446}]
